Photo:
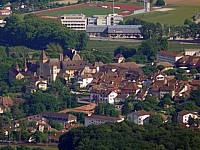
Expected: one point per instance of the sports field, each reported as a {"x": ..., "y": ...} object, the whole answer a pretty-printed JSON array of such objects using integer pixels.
[
  {"x": 88, "y": 11},
  {"x": 171, "y": 17}
]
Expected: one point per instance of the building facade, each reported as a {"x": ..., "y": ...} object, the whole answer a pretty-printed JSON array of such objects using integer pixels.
[
  {"x": 74, "y": 21},
  {"x": 97, "y": 119},
  {"x": 167, "y": 56}
]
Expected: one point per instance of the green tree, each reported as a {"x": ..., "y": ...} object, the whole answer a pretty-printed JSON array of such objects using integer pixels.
[
  {"x": 106, "y": 109},
  {"x": 126, "y": 108},
  {"x": 160, "y": 67},
  {"x": 160, "y": 3},
  {"x": 156, "y": 119}
]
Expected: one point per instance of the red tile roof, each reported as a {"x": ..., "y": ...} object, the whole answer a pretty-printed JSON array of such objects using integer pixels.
[{"x": 168, "y": 53}]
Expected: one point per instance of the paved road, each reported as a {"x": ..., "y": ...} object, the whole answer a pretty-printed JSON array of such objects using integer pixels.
[{"x": 115, "y": 39}]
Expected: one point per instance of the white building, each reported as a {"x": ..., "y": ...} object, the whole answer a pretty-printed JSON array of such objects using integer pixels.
[
  {"x": 84, "y": 80},
  {"x": 103, "y": 96},
  {"x": 192, "y": 52},
  {"x": 74, "y": 21},
  {"x": 140, "y": 117},
  {"x": 97, "y": 119},
  {"x": 110, "y": 19},
  {"x": 184, "y": 115},
  {"x": 167, "y": 56}
]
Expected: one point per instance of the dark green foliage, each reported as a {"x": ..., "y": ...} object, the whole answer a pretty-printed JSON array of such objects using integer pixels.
[
  {"x": 126, "y": 108},
  {"x": 125, "y": 51},
  {"x": 160, "y": 67},
  {"x": 186, "y": 106},
  {"x": 7, "y": 148},
  {"x": 149, "y": 70},
  {"x": 106, "y": 109},
  {"x": 38, "y": 33},
  {"x": 195, "y": 96},
  {"x": 156, "y": 119},
  {"x": 160, "y": 3},
  {"x": 127, "y": 135},
  {"x": 55, "y": 124}
]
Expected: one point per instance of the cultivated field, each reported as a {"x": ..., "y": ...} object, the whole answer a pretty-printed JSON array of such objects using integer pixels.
[{"x": 171, "y": 17}]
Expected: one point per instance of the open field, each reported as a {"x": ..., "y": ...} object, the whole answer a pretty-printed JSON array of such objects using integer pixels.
[
  {"x": 88, "y": 11},
  {"x": 109, "y": 46},
  {"x": 171, "y": 17},
  {"x": 184, "y": 2},
  {"x": 66, "y": 1}
]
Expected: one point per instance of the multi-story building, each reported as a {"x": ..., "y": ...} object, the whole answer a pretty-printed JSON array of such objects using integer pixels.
[
  {"x": 110, "y": 19},
  {"x": 97, "y": 119},
  {"x": 140, "y": 117},
  {"x": 167, "y": 56},
  {"x": 192, "y": 52},
  {"x": 74, "y": 21}
]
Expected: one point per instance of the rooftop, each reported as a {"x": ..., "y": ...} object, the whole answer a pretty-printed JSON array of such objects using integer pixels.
[
  {"x": 106, "y": 118},
  {"x": 173, "y": 54}
]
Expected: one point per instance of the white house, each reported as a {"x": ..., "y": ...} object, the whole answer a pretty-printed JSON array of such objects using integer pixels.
[
  {"x": 103, "y": 96},
  {"x": 84, "y": 80},
  {"x": 184, "y": 115},
  {"x": 140, "y": 117},
  {"x": 97, "y": 119}
]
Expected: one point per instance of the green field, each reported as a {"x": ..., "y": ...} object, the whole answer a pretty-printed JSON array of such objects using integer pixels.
[
  {"x": 88, "y": 11},
  {"x": 172, "y": 17},
  {"x": 109, "y": 46}
]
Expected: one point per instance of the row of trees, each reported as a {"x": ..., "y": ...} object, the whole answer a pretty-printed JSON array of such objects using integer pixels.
[
  {"x": 127, "y": 135},
  {"x": 37, "y": 33},
  {"x": 152, "y": 30}
]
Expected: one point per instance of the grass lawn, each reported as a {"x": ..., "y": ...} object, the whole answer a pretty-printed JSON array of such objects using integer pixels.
[
  {"x": 88, "y": 11},
  {"x": 172, "y": 17},
  {"x": 109, "y": 46}
]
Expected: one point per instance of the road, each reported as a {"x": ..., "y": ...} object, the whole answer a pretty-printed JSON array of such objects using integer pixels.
[{"x": 115, "y": 39}]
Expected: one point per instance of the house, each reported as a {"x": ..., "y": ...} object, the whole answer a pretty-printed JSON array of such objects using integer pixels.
[
  {"x": 97, "y": 119},
  {"x": 103, "y": 96},
  {"x": 167, "y": 56},
  {"x": 191, "y": 62},
  {"x": 61, "y": 118},
  {"x": 191, "y": 52},
  {"x": 140, "y": 117},
  {"x": 184, "y": 115},
  {"x": 84, "y": 80},
  {"x": 121, "y": 98},
  {"x": 5, "y": 12},
  {"x": 5, "y": 103}
]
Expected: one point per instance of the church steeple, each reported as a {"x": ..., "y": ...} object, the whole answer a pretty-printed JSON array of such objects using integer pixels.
[
  {"x": 25, "y": 65},
  {"x": 43, "y": 57}
]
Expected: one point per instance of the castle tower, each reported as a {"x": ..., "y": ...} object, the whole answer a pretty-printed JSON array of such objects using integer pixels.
[{"x": 43, "y": 57}]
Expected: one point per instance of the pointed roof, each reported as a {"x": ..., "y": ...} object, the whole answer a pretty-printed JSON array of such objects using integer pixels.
[{"x": 43, "y": 56}]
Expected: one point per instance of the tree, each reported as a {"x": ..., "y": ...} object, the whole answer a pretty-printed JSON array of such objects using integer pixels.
[
  {"x": 195, "y": 96},
  {"x": 160, "y": 67},
  {"x": 156, "y": 119},
  {"x": 191, "y": 121},
  {"x": 193, "y": 71},
  {"x": 106, "y": 109},
  {"x": 160, "y": 3},
  {"x": 126, "y": 108},
  {"x": 55, "y": 124}
]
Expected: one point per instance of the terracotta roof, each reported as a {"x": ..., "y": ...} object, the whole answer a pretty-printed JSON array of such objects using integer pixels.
[
  {"x": 168, "y": 53},
  {"x": 57, "y": 115},
  {"x": 106, "y": 118},
  {"x": 184, "y": 112},
  {"x": 5, "y": 11},
  {"x": 142, "y": 112}
]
